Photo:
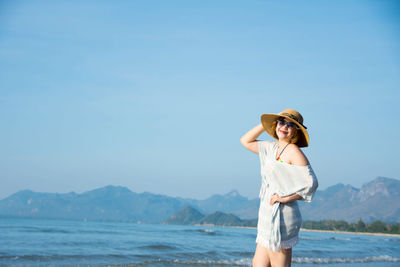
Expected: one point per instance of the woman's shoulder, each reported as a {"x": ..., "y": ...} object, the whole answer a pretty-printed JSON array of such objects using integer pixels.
[{"x": 296, "y": 156}]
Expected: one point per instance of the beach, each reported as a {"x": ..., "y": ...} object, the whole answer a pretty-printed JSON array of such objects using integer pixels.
[{"x": 346, "y": 232}]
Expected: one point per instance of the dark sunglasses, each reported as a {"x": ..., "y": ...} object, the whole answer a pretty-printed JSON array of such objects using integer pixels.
[{"x": 288, "y": 124}]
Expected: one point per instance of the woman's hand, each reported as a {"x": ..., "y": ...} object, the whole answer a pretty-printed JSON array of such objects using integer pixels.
[
  {"x": 277, "y": 198},
  {"x": 283, "y": 200}
]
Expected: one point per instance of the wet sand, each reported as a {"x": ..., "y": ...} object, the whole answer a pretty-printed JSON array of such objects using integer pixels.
[{"x": 345, "y": 232}]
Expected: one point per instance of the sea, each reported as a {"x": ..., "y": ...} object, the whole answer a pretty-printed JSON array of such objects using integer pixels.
[{"x": 37, "y": 242}]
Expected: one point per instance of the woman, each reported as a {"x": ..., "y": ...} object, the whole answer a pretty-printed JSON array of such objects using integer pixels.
[{"x": 287, "y": 176}]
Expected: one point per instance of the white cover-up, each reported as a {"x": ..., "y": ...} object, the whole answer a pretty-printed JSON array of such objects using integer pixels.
[{"x": 278, "y": 225}]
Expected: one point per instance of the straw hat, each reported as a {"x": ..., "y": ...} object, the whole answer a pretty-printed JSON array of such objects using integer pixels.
[{"x": 293, "y": 116}]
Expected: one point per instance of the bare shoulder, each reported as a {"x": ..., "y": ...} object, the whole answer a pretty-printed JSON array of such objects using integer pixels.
[{"x": 296, "y": 156}]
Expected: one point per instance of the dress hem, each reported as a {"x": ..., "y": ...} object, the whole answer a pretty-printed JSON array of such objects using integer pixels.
[{"x": 283, "y": 245}]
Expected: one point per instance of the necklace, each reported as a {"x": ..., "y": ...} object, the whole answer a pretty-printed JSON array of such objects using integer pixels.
[{"x": 278, "y": 157}]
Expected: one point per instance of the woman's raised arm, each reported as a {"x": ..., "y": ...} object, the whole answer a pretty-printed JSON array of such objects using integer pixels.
[{"x": 249, "y": 139}]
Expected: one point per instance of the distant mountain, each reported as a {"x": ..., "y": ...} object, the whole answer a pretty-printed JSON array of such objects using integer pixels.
[
  {"x": 110, "y": 203},
  {"x": 189, "y": 215},
  {"x": 115, "y": 203},
  {"x": 231, "y": 202},
  {"x": 376, "y": 200},
  {"x": 220, "y": 218}
]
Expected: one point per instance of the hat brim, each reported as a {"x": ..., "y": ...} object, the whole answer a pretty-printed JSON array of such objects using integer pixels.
[{"x": 268, "y": 119}]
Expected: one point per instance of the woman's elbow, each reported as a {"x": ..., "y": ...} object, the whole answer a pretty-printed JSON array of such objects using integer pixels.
[{"x": 243, "y": 141}]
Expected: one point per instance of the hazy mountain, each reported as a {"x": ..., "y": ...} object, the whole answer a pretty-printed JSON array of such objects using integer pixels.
[
  {"x": 189, "y": 215},
  {"x": 378, "y": 199},
  {"x": 220, "y": 218},
  {"x": 231, "y": 202},
  {"x": 115, "y": 203},
  {"x": 110, "y": 203}
]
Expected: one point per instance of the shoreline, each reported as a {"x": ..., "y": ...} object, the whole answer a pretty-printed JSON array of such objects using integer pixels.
[
  {"x": 345, "y": 232},
  {"x": 310, "y": 230}
]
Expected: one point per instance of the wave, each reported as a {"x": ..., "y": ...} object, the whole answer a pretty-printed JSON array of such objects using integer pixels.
[
  {"x": 247, "y": 261},
  {"x": 240, "y": 253},
  {"x": 34, "y": 257},
  {"x": 311, "y": 239},
  {"x": 340, "y": 238},
  {"x": 200, "y": 262},
  {"x": 161, "y": 262},
  {"x": 45, "y": 230},
  {"x": 325, "y": 239},
  {"x": 380, "y": 258},
  {"x": 195, "y": 255},
  {"x": 60, "y": 260},
  {"x": 94, "y": 243},
  {"x": 32, "y": 229},
  {"x": 203, "y": 231},
  {"x": 100, "y": 232},
  {"x": 158, "y": 247}
]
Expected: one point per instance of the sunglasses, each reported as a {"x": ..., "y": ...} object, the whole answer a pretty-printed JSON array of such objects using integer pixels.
[{"x": 287, "y": 123}]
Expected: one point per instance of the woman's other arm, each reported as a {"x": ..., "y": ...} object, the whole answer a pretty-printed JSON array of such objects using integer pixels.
[
  {"x": 287, "y": 199},
  {"x": 249, "y": 139}
]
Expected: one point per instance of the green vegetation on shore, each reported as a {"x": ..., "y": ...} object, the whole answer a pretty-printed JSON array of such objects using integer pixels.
[
  {"x": 190, "y": 216},
  {"x": 360, "y": 226}
]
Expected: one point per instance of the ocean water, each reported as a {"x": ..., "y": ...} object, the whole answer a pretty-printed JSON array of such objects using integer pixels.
[{"x": 27, "y": 242}]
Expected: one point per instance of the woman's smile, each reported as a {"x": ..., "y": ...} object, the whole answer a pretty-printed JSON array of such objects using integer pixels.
[{"x": 283, "y": 132}]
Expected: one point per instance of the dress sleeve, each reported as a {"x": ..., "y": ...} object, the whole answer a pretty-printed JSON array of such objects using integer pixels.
[
  {"x": 311, "y": 181},
  {"x": 264, "y": 151}
]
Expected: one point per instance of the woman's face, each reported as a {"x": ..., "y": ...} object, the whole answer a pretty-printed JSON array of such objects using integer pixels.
[{"x": 285, "y": 129}]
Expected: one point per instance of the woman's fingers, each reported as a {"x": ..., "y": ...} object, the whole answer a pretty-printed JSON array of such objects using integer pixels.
[{"x": 274, "y": 199}]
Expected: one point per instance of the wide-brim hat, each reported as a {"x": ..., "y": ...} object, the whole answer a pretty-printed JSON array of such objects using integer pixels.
[{"x": 292, "y": 115}]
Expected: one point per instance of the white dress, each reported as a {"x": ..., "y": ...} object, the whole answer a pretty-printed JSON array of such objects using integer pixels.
[{"x": 278, "y": 225}]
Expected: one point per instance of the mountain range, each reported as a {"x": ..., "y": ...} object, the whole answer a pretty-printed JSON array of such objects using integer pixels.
[{"x": 376, "y": 200}]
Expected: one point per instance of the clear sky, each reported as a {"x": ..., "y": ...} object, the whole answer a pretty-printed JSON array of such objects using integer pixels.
[{"x": 155, "y": 95}]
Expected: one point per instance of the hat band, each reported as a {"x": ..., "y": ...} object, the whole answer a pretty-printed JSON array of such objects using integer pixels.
[{"x": 292, "y": 117}]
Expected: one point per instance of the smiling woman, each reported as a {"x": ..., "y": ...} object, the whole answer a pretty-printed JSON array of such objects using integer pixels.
[
  {"x": 287, "y": 176},
  {"x": 291, "y": 129}
]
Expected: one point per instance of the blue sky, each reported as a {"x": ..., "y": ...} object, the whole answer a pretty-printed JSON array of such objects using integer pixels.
[{"x": 155, "y": 95}]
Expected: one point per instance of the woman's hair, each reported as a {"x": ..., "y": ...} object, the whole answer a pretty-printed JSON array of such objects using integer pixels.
[{"x": 295, "y": 136}]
